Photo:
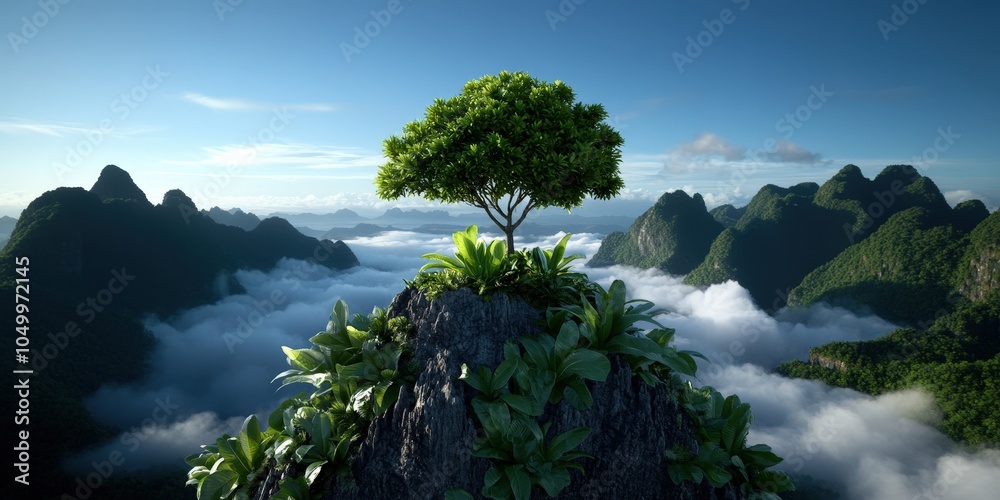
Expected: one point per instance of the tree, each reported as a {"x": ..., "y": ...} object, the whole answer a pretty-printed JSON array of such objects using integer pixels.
[{"x": 508, "y": 142}]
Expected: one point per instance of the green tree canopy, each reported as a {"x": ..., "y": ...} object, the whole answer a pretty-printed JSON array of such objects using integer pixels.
[{"x": 507, "y": 144}]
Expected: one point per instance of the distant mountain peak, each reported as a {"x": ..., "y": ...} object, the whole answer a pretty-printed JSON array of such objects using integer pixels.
[
  {"x": 115, "y": 183},
  {"x": 233, "y": 217},
  {"x": 276, "y": 226},
  {"x": 850, "y": 171},
  {"x": 176, "y": 198}
]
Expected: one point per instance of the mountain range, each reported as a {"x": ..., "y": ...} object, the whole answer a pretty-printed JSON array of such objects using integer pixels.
[
  {"x": 345, "y": 223},
  {"x": 891, "y": 246},
  {"x": 96, "y": 262}
]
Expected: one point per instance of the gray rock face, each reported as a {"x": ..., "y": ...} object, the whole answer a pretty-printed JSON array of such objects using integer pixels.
[
  {"x": 631, "y": 425},
  {"x": 422, "y": 447}
]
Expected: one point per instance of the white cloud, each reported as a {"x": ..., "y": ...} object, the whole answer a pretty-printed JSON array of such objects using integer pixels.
[
  {"x": 867, "y": 447},
  {"x": 709, "y": 151},
  {"x": 228, "y": 104},
  {"x": 960, "y": 195},
  {"x": 709, "y": 144},
  {"x": 786, "y": 151}
]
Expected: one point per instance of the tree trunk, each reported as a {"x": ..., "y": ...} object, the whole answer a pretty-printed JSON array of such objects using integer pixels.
[{"x": 509, "y": 231}]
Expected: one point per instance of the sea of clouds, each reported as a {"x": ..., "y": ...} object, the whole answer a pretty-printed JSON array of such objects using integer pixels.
[{"x": 214, "y": 364}]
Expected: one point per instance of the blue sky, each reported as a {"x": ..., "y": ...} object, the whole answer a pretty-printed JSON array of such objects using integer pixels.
[{"x": 283, "y": 106}]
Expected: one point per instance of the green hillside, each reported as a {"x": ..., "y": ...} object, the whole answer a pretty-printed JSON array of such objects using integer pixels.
[
  {"x": 956, "y": 359},
  {"x": 727, "y": 215},
  {"x": 904, "y": 271},
  {"x": 780, "y": 238},
  {"x": 978, "y": 275},
  {"x": 955, "y": 355},
  {"x": 674, "y": 235},
  {"x": 96, "y": 262}
]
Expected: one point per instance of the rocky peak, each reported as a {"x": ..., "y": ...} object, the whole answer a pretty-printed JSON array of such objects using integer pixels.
[
  {"x": 115, "y": 183},
  {"x": 176, "y": 198},
  {"x": 422, "y": 447}
]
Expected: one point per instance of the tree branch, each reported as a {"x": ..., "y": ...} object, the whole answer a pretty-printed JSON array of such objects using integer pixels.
[
  {"x": 486, "y": 207},
  {"x": 527, "y": 208}
]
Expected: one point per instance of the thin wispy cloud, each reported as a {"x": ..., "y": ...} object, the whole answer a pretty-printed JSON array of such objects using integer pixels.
[
  {"x": 66, "y": 129},
  {"x": 300, "y": 155},
  {"x": 232, "y": 104}
]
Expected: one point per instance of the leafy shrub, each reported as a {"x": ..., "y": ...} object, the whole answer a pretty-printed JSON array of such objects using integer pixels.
[
  {"x": 541, "y": 277},
  {"x": 723, "y": 456},
  {"x": 482, "y": 264},
  {"x": 357, "y": 367}
]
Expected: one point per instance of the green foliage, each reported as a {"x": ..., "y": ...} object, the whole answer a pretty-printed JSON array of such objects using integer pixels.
[
  {"x": 956, "y": 359},
  {"x": 481, "y": 263},
  {"x": 722, "y": 455},
  {"x": 227, "y": 469},
  {"x": 541, "y": 277},
  {"x": 607, "y": 322},
  {"x": 293, "y": 488},
  {"x": 977, "y": 272},
  {"x": 553, "y": 367},
  {"x": 908, "y": 260},
  {"x": 549, "y": 368},
  {"x": 766, "y": 251},
  {"x": 523, "y": 458},
  {"x": 357, "y": 368},
  {"x": 573, "y": 348},
  {"x": 506, "y": 142}
]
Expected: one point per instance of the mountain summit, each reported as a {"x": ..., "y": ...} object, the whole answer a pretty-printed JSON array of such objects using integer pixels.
[
  {"x": 104, "y": 259},
  {"x": 117, "y": 183},
  {"x": 673, "y": 235}
]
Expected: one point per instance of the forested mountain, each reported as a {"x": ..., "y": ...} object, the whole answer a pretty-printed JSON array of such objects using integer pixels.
[
  {"x": 728, "y": 215},
  {"x": 673, "y": 235},
  {"x": 95, "y": 262},
  {"x": 978, "y": 275},
  {"x": 956, "y": 359},
  {"x": 886, "y": 243},
  {"x": 891, "y": 245},
  {"x": 904, "y": 271}
]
